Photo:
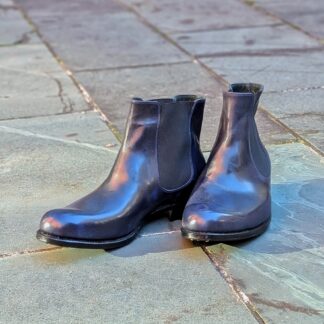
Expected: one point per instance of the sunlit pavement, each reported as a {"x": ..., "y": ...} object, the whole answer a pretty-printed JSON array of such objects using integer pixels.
[{"x": 68, "y": 71}]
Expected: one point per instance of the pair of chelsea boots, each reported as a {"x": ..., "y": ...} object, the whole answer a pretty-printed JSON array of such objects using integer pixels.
[{"x": 160, "y": 167}]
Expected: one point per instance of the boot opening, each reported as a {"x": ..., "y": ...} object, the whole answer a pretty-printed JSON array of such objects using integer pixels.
[{"x": 246, "y": 88}]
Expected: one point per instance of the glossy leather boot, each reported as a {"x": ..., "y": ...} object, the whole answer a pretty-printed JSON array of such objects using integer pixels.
[
  {"x": 157, "y": 165},
  {"x": 231, "y": 200}
]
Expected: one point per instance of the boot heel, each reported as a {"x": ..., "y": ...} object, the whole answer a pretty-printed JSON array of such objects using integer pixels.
[{"x": 176, "y": 211}]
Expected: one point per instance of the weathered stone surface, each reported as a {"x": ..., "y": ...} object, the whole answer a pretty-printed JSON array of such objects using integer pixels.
[
  {"x": 291, "y": 251},
  {"x": 28, "y": 58},
  {"x": 39, "y": 173},
  {"x": 244, "y": 40},
  {"x": 307, "y": 15},
  {"x": 29, "y": 93},
  {"x": 302, "y": 111},
  {"x": 13, "y": 29},
  {"x": 173, "y": 16},
  {"x": 93, "y": 286},
  {"x": 84, "y": 127},
  {"x": 291, "y": 70},
  {"x": 181, "y": 78},
  {"x": 105, "y": 39},
  {"x": 33, "y": 84}
]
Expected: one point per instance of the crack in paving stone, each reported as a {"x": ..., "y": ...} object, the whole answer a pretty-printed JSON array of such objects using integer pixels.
[
  {"x": 279, "y": 304},
  {"x": 27, "y": 252},
  {"x": 67, "y": 107},
  {"x": 23, "y": 40},
  {"x": 219, "y": 264},
  {"x": 21, "y": 132}
]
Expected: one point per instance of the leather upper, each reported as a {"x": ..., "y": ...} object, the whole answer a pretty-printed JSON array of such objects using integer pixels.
[
  {"x": 133, "y": 190},
  {"x": 233, "y": 192}
]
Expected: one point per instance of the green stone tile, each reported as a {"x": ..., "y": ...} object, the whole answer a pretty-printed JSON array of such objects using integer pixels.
[
  {"x": 167, "y": 285},
  {"x": 282, "y": 270}
]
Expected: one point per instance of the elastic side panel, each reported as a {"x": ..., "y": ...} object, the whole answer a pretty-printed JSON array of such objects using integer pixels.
[
  {"x": 174, "y": 145},
  {"x": 197, "y": 117},
  {"x": 259, "y": 154}
]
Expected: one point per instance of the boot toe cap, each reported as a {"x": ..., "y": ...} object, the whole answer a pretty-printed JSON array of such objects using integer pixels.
[
  {"x": 201, "y": 218},
  {"x": 58, "y": 222}
]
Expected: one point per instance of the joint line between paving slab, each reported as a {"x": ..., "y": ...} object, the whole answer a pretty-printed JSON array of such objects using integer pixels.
[
  {"x": 196, "y": 60},
  {"x": 268, "y": 52},
  {"x": 47, "y": 115},
  {"x": 267, "y": 12},
  {"x": 213, "y": 29},
  {"x": 238, "y": 292},
  {"x": 27, "y": 252},
  {"x": 22, "y": 132},
  {"x": 86, "y": 96}
]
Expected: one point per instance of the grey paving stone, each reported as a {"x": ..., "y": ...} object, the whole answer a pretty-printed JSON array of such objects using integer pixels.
[
  {"x": 302, "y": 111},
  {"x": 295, "y": 102},
  {"x": 84, "y": 127},
  {"x": 282, "y": 270},
  {"x": 78, "y": 8},
  {"x": 33, "y": 84},
  {"x": 244, "y": 40},
  {"x": 199, "y": 15},
  {"x": 33, "y": 58},
  {"x": 7, "y": 4},
  {"x": 75, "y": 286},
  {"x": 49, "y": 162},
  {"x": 108, "y": 38},
  {"x": 277, "y": 72},
  {"x": 181, "y": 78},
  {"x": 13, "y": 28},
  {"x": 38, "y": 174},
  {"x": 27, "y": 94},
  {"x": 308, "y": 15}
]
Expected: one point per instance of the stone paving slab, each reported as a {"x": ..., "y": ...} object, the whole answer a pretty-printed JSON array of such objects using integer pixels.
[
  {"x": 282, "y": 271},
  {"x": 80, "y": 127},
  {"x": 243, "y": 40},
  {"x": 198, "y": 15},
  {"x": 181, "y": 78},
  {"x": 291, "y": 82},
  {"x": 302, "y": 111},
  {"x": 14, "y": 30},
  {"x": 44, "y": 173},
  {"x": 27, "y": 94},
  {"x": 307, "y": 15},
  {"x": 292, "y": 70},
  {"x": 124, "y": 42},
  {"x": 49, "y": 162},
  {"x": 32, "y": 84},
  {"x": 82, "y": 286}
]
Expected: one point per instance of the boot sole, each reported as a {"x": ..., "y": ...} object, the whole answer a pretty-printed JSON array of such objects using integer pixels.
[
  {"x": 106, "y": 244},
  {"x": 86, "y": 244},
  {"x": 225, "y": 237}
]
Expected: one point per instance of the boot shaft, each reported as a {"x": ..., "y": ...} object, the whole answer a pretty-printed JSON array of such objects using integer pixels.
[
  {"x": 238, "y": 141},
  {"x": 166, "y": 133}
]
